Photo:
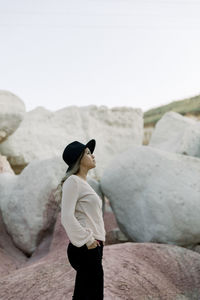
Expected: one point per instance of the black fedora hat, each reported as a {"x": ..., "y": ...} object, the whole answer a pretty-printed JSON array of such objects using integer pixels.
[{"x": 73, "y": 150}]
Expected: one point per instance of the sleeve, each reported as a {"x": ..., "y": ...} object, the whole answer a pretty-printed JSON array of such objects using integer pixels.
[{"x": 77, "y": 234}]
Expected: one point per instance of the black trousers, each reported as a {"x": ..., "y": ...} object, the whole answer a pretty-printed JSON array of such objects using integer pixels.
[{"x": 89, "y": 282}]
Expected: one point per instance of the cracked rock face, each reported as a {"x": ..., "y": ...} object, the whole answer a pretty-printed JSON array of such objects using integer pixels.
[
  {"x": 178, "y": 134},
  {"x": 155, "y": 195},
  {"x": 27, "y": 203},
  {"x": 44, "y": 134},
  {"x": 12, "y": 110}
]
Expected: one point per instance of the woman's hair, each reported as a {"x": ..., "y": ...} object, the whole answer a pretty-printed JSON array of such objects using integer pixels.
[{"x": 74, "y": 170}]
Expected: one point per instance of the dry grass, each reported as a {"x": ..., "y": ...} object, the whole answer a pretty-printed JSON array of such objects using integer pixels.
[{"x": 187, "y": 106}]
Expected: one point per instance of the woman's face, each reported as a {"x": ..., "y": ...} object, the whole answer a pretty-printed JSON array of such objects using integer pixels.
[{"x": 88, "y": 159}]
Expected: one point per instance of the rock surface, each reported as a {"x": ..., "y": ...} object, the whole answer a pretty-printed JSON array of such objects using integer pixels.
[
  {"x": 11, "y": 258},
  {"x": 175, "y": 133},
  {"x": 5, "y": 166},
  {"x": 131, "y": 272},
  {"x": 27, "y": 203},
  {"x": 113, "y": 234},
  {"x": 155, "y": 195},
  {"x": 12, "y": 110},
  {"x": 44, "y": 134}
]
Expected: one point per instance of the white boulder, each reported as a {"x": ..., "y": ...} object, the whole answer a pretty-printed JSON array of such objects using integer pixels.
[
  {"x": 12, "y": 110},
  {"x": 155, "y": 195},
  {"x": 26, "y": 201},
  {"x": 115, "y": 130},
  {"x": 44, "y": 134},
  {"x": 175, "y": 133}
]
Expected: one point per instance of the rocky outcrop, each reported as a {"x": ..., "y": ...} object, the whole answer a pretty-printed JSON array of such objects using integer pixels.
[
  {"x": 27, "y": 203},
  {"x": 175, "y": 133},
  {"x": 155, "y": 195},
  {"x": 12, "y": 110},
  {"x": 11, "y": 258},
  {"x": 131, "y": 271},
  {"x": 44, "y": 134},
  {"x": 113, "y": 234}
]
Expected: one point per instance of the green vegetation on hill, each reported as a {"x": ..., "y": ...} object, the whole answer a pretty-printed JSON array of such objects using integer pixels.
[{"x": 187, "y": 106}]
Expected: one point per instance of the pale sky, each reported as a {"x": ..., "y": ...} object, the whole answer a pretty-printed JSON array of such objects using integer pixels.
[{"x": 138, "y": 53}]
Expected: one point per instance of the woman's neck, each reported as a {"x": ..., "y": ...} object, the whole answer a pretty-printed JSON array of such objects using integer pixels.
[{"x": 82, "y": 174}]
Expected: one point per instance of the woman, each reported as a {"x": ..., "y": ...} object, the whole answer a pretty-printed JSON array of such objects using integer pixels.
[{"x": 81, "y": 216}]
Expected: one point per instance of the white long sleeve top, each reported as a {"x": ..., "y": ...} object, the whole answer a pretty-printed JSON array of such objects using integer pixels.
[{"x": 81, "y": 212}]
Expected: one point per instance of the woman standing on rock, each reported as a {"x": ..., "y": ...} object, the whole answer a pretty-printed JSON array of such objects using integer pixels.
[{"x": 81, "y": 216}]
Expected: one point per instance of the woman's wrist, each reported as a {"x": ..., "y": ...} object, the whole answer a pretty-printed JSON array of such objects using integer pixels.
[{"x": 90, "y": 242}]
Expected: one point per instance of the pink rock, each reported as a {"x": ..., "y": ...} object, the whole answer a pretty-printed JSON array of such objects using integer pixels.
[
  {"x": 7, "y": 263},
  {"x": 115, "y": 236},
  {"x": 60, "y": 239},
  {"x": 151, "y": 271},
  {"x": 55, "y": 242},
  {"x": 132, "y": 271},
  {"x": 11, "y": 258},
  {"x": 113, "y": 233},
  {"x": 109, "y": 221},
  {"x": 197, "y": 249}
]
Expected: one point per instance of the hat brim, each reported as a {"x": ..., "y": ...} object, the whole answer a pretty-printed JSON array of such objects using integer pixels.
[{"x": 91, "y": 145}]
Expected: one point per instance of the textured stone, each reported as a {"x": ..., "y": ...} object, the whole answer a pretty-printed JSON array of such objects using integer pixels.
[
  {"x": 12, "y": 110},
  {"x": 131, "y": 272},
  {"x": 5, "y": 166},
  {"x": 44, "y": 134},
  {"x": 11, "y": 258},
  {"x": 155, "y": 195},
  {"x": 115, "y": 236},
  {"x": 175, "y": 133},
  {"x": 27, "y": 203}
]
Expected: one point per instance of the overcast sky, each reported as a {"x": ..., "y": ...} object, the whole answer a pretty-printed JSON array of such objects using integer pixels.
[{"x": 139, "y": 53}]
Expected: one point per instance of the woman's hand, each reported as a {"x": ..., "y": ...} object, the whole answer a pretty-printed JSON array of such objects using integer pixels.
[{"x": 93, "y": 245}]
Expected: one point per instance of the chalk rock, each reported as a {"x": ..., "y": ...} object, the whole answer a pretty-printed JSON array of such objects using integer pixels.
[
  {"x": 28, "y": 208},
  {"x": 4, "y": 165},
  {"x": 155, "y": 195},
  {"x": 175, "y": 133},
  {"x": 115, "y": 130},
  {"x": 132, "y": 271},
  {"x": 12, "y": 110},
  {"x": 44, "y": 134}
]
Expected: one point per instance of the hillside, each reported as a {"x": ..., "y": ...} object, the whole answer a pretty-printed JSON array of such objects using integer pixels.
[{"x": 184, "y": 107}]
